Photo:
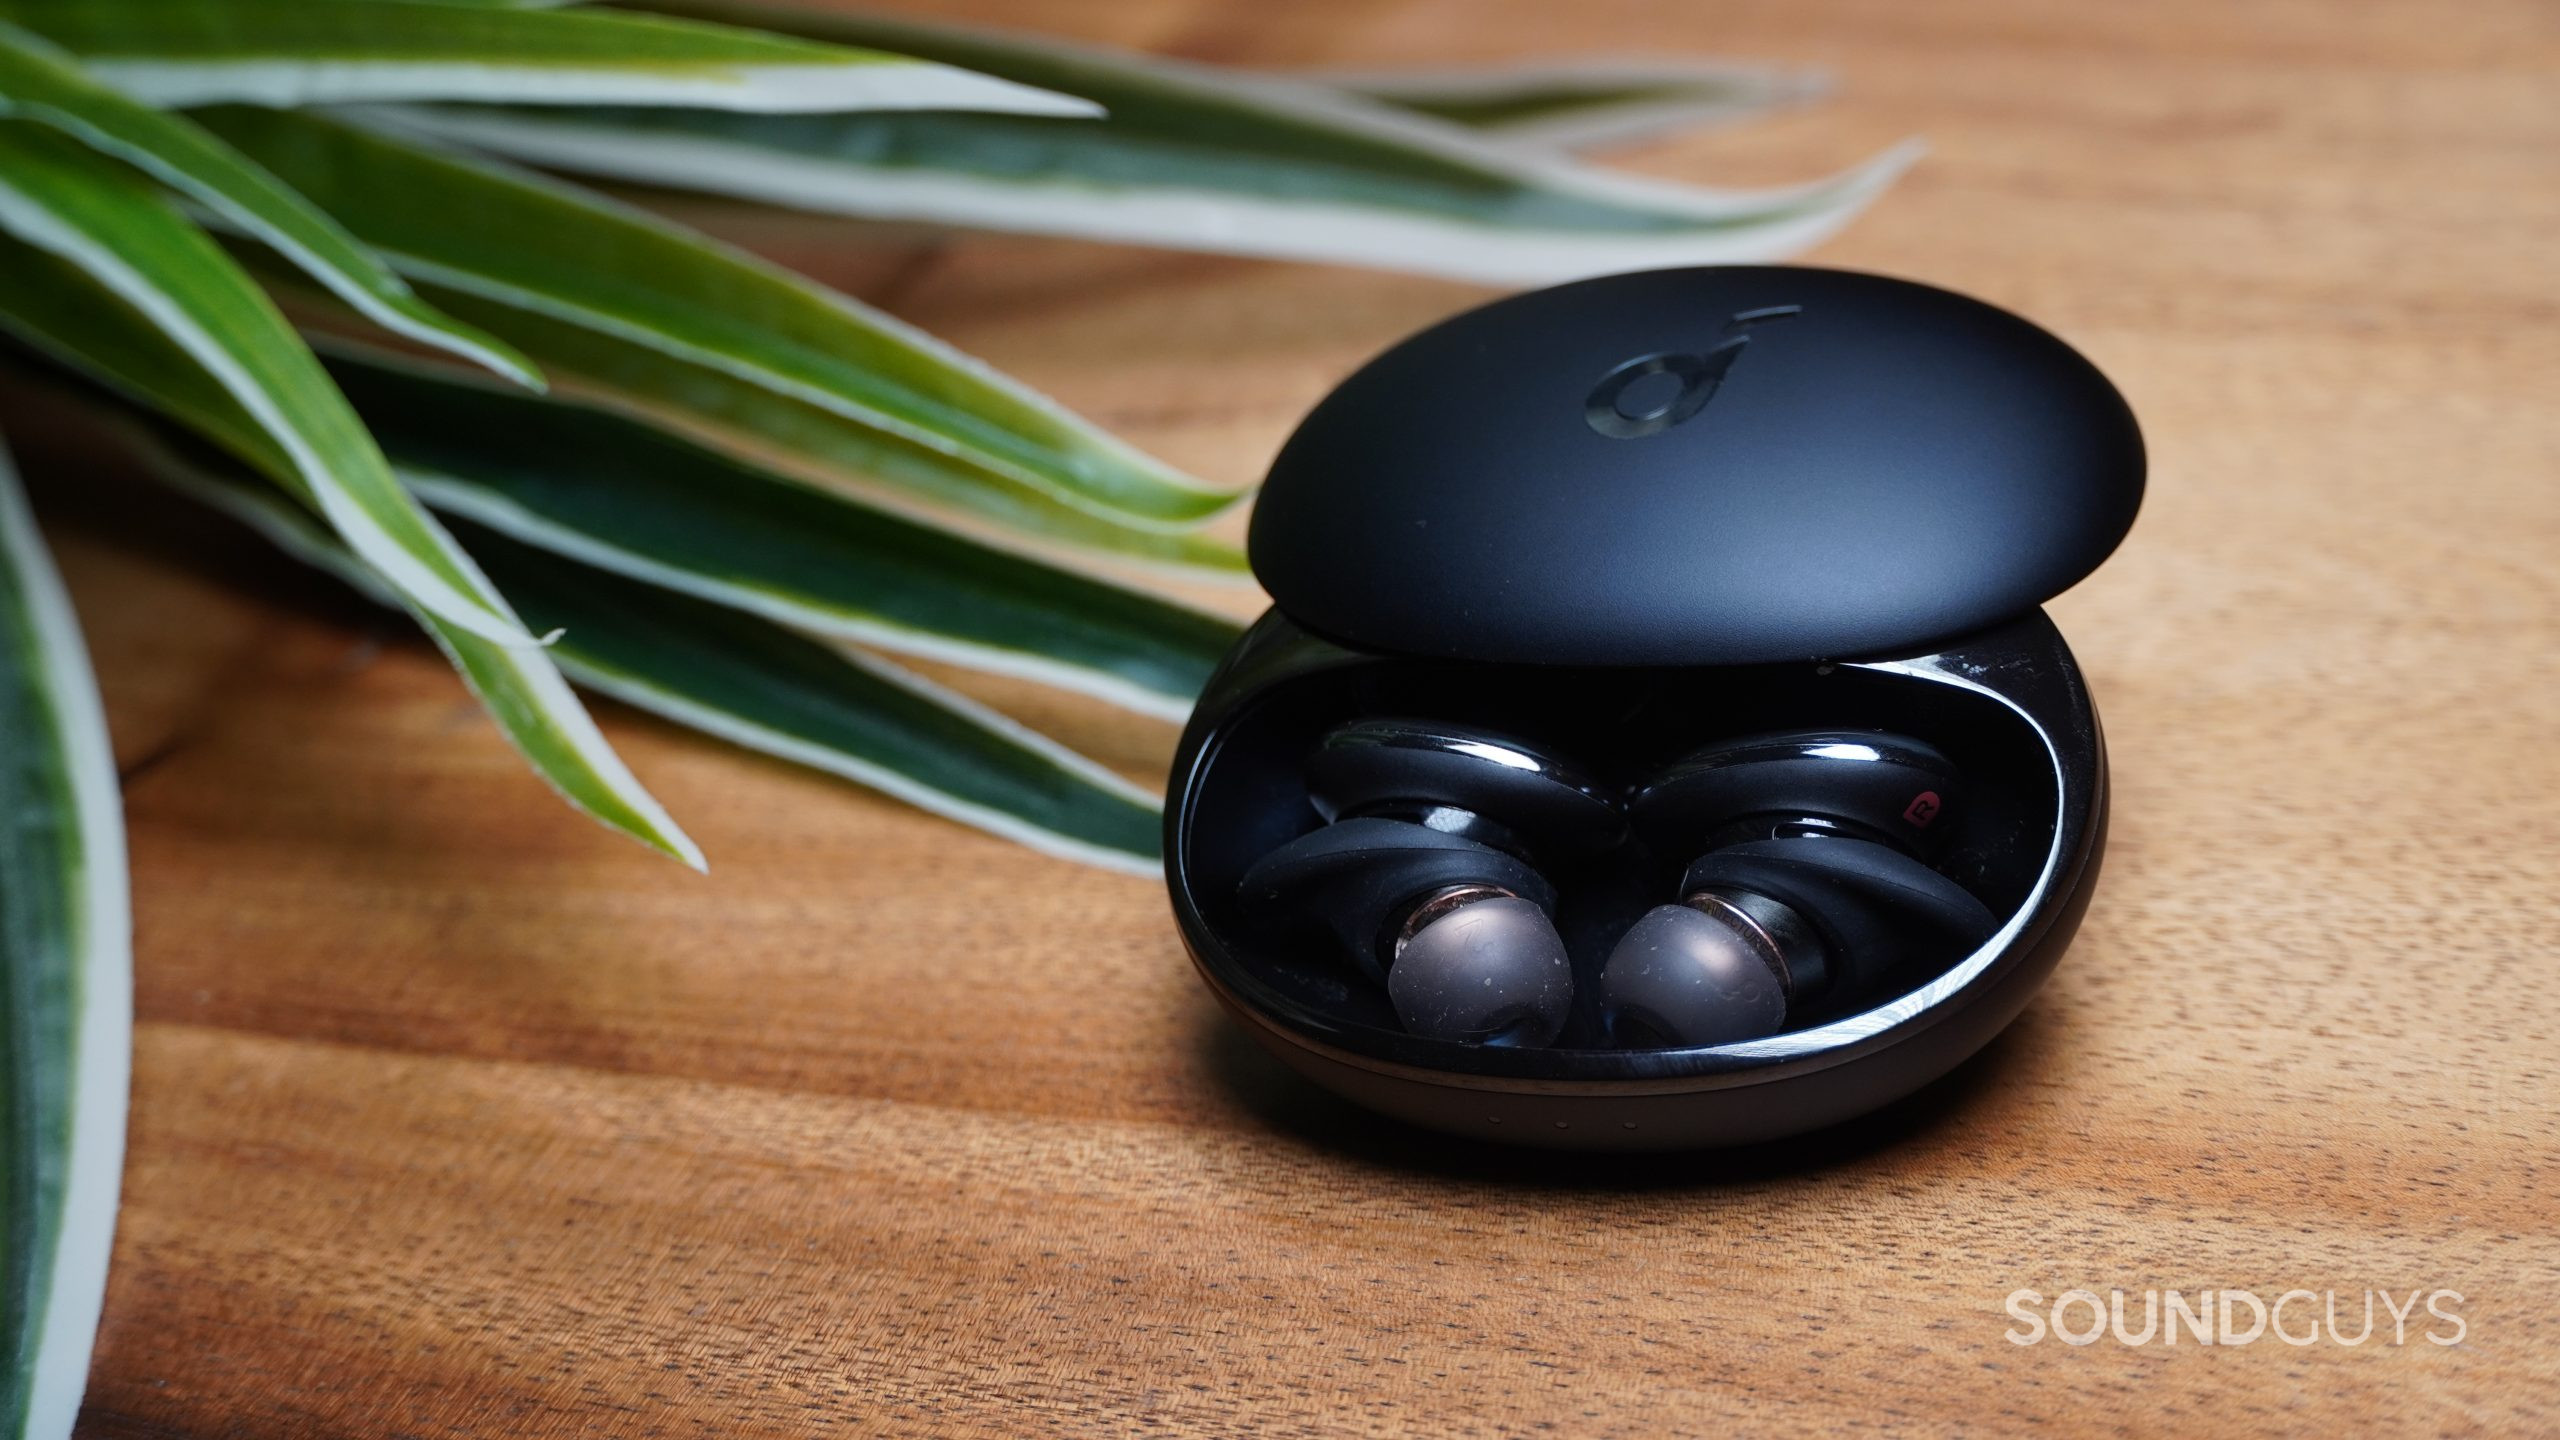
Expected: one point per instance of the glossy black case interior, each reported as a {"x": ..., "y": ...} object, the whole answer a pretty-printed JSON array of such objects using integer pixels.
[{"x": 2007, "y": 705}]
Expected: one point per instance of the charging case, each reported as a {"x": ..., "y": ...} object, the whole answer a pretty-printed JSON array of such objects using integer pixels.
[{"x": 1628, "y": 517}]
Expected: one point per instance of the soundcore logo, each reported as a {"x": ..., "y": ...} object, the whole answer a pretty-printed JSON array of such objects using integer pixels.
[{"x": 1652, "y": 393}]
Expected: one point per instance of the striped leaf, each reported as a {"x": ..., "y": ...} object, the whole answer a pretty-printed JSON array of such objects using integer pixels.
[
  {"x": 63, "y": 315},
  {"x": 70, "y": 202},
  {"x": 66, "y": 991},
  {"x": 1187, "y": 156},
  {"x": 533, "y": 245},
  {"x": 1577, "y": 105},
  {"x": 308, "y": 52},
  {"x": 525, "y": 693},
  {"x": 616, "y": 494},
  {"x": 823, "y": 447},
  {"x": 38, "y": 82},
  {"x": 763, "y": 687}
]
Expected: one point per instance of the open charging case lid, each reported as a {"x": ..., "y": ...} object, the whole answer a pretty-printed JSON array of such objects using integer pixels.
[
  {"x": 1699, "y": 467},
  {"x": 1630, "y": 515}
]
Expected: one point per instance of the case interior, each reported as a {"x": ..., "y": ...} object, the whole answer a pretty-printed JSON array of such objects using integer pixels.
[{"x": 1251, "y": 795}]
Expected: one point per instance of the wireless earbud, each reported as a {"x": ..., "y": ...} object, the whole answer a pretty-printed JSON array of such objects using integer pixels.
[
  {"x": 1424, "y": 873},
  {"x": 1808, "y": 884}
]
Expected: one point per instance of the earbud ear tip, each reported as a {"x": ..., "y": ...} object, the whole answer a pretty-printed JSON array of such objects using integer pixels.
[
  {"x": 1493, "y": 972},
  {"x": 1682, "y": 977}
]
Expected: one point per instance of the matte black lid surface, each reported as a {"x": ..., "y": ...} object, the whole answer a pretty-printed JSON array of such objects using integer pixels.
[{"x": 1699, "y": 467}]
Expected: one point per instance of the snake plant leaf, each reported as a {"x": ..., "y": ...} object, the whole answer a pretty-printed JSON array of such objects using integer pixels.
[
  {"x": 308, "y": 52},
  {"x": 763, "y": 687},
  {"x": 68, "y": 201},
  {"x": 618, "y": 495},
  {"x": 39, "y": 82},
  {"x": 1579, "y": 105},
  {"x": 1187, "y": 156},
  {"x": 61, "y": 314},
  {"x": 66, "y": 991},
  {"x": 531, "y": 244}
]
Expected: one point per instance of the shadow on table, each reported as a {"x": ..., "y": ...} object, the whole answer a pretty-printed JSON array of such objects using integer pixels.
[{"x": 1298, "y": 1108}]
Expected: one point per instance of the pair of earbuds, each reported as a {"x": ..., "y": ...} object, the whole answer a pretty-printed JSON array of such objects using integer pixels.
[{"x": 1807, "y": 879}]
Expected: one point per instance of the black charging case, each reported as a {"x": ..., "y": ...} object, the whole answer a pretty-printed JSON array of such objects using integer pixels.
[{"x": 1624, "y": 518}]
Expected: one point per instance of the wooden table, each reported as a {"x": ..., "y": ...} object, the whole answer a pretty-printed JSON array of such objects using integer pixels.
[{"x": 454, "y": 1115}]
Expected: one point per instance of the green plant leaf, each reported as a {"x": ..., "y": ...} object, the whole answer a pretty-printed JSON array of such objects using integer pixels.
[
  {"x": 1577, "y": 105},
  {"x": 763, "y": 687},
  {"x": 70, "y": 202},
  {"x": 308, "y": 52},
  {"x": 824, "y": 448},
  {"x": 852, "y": 715},
  {"x": 605, "y": 490},
  {"x": 526, "y": 695},
  {"x": 1187, "y": 156},
  {"x": 66, "y": 990},
  {"x": 539, "y": 246},
  {"x": 38, "y": 82},
  {"x": 62, "y": 314}
]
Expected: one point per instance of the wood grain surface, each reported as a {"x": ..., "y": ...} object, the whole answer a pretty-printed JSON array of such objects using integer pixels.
[{"x": 456, "y": 1116}]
